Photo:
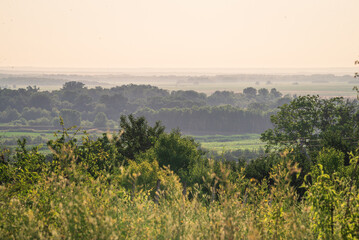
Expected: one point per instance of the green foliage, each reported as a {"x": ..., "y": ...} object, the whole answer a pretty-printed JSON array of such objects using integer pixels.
[
  {"x": 137, "y": 136},
  {"x": 310, "y": 123},
  {"x": 309, "y": 117},
  {"x": 224, "y": 120},
  {"x": 98, "y": 156},
  {"x": 275, "y": 93},
  {"x": 70, "y": 117},
  {"x": 250, "y": 92},
  {"x": 100, "y": 120},
  {"x": 331, "y": 160},
  {"x": 191, "y": 111},
  {"x": 34, "y": 113},
  {"x": 177, "y": 152},
  {"x": 87, "y": 191},
  {"x": 43, "y": 122},
  {"x": 24, "y": 170},
  {"x": 263, "y": 92},
  {"x": 297, "y": 120},
  {"x": 260, "y": 167},
  {"x": 5, "y": 167},
  {"x": 9, "y": 115},
  {"x": 332, "y": 194},
  {"x": 73, "y": 85},
  {"x": 144, "y": 175},
  {"x": 40, "y": 100}
]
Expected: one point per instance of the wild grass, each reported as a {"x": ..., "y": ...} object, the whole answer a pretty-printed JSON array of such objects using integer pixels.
[
  {"x": 71, "y": 199},
  {"x": 71, "y": 205}
]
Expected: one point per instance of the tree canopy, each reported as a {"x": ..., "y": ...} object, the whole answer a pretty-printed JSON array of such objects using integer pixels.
[
  {"x": 137, "y": 136},
  {"x": 314, "y": 122}
]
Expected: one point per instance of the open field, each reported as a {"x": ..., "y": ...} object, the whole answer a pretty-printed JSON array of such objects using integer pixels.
[
  {"x": 7, "y": 134},
  {"x": 325, "y": 89},
  {"x": 222, "y": 143}
]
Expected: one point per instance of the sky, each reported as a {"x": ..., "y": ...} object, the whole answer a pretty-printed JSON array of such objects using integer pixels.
[{"x": 179, "y": 33}]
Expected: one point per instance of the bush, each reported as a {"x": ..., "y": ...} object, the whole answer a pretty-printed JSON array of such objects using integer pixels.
[
  {"x": 34, "y": 113},
  {"x": 100, "y": 120},
  {"x": 332, "y": 160},
  {"x": 70, "y": 117},
  {"x": 9, "y": 115},
  {"x": 40, "y": 122}
]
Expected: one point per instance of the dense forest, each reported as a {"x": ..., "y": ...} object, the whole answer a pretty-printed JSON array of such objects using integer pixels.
[
  {"x": 223, "y": 112},
  {"x": 145, "y": 182}
]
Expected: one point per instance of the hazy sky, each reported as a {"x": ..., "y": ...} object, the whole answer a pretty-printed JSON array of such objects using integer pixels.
[{"x": 179, "y": 33}]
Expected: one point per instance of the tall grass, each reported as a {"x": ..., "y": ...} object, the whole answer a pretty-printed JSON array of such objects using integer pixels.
[{"x": 70, "y": 204}]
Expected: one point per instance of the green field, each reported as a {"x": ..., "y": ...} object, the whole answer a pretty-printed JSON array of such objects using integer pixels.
[
  {"x": 34, "y": 138},
  {"x": 222, "y": 143},
  {"x": 7, "y": 134}
]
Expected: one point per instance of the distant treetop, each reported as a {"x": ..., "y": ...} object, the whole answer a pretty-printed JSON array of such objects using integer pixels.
[{"x": 73, "y": 85}]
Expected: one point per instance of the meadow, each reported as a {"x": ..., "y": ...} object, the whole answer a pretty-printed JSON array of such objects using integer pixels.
[
  {"x": 220, "y": 143},
  {"x": 325, "y": 89}
]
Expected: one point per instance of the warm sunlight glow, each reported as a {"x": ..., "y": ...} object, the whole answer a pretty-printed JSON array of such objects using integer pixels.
[{"x": 178, "y": 33}]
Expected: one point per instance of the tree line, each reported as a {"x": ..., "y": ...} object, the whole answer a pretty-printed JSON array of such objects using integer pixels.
[{"x": 246, "y": 112}]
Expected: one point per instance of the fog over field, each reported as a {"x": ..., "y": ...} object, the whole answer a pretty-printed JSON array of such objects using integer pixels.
[{"x": 326, "y": 82}]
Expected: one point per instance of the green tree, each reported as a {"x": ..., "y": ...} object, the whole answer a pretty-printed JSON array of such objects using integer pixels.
[
  {"x": 9, "y": 115},
  {"x": 34, "y": 113},
  {"x": 83, "y": 103},
  {"x": 27, "y": 167},
  {"x": 70, "y": 117},
  {"x": 250, "y": 92},
  {"x": 176, "y": 151},
  {"x": 100, "y": 120},
  {"x": 73, "y": 85},
  {"x": 297, "y": 120},
  {"x": 263, "y": 92},
  {"x": 221, "y": 97},
  {"x": 41, "y": 100},
  {"x": 137, "y": 136},
  {"x": 275, "y": 93},
  {"x": 310, "y": 122}
]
